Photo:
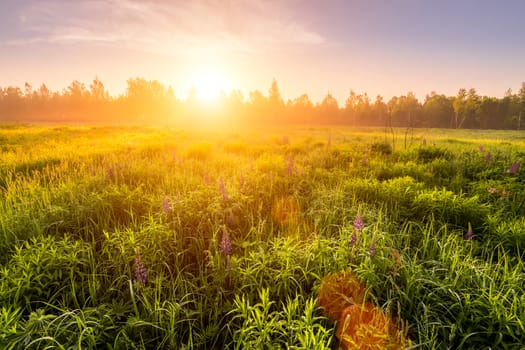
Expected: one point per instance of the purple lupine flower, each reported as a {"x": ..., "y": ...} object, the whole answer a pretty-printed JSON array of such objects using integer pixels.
[
  {"x": 364, "y": 161},
  {"x": 92, "y": 171},
  {"x": 352, "y": 239},
  {"x": 488, "y": 157},
  {"x": 226, "y": 244},
  {"x": 359, "y": 224},
  {"x": 290, "y": 166},
  {"x": 166, "y": 205},
  {"x": 329, "y": 142},
  {"x": 424, "y": 142},
  {"x": 223, "y": 191},
  {"x": 470, "y": 234},
  {"x": 481, "y": 148},
  {"x": 372, "y": 250},
  {"x": 514, "y": 168},
  {"x": 350, "y": 158},
  {"x": 141, "y": 273}
]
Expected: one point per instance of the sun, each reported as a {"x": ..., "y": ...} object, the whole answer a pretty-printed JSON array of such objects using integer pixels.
[{"x": 209, "y": 85}]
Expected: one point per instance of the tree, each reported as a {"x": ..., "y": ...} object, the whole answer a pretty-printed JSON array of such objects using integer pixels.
[
  {"x": 379, "y": 111},
  {"x": 521, "y": 103},
  {"x": 459, "y": 105},
  {"x": 274, "y": 96},
  {"x": 362, "y": 109},
  {"x": 328, "y": 109},
  {"x": 98, "y": 92},
  {"x": 301, "y": 110},
  {"x": 405, "y": 110},
  {"x": 76, "y": 90},
  {"x": 437, "y": 110},
  {"x": 349, "y": 110},
  {"x": 275, "y": 103},
  {"x": 487, "y": 113}
]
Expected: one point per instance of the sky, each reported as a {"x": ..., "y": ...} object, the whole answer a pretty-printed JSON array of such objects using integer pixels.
[{"x": 378, "y": 47}]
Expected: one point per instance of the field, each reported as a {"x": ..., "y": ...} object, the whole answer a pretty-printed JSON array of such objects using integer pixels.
[{"x": 146, "y": 238}]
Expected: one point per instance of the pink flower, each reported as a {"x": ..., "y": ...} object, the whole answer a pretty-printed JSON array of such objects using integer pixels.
[
  {"x": 514, "y": 168},
  {"x": 352, "y": 240},
  {"x": 359, "y": 223},
  {"x": 166, "y": 205},
  {"x": 141, "y": 273},
  {"x": 470, "y": 234},
  {"x": 226, "y": 244}
]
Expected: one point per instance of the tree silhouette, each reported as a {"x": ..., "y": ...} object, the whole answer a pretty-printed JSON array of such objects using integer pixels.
[{"x": 149, "y": 101}]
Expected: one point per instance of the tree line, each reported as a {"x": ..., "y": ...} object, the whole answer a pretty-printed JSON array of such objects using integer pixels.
[{"x": 149, "y": 101}]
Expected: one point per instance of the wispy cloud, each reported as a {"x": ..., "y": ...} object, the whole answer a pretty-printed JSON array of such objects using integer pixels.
[{"x": 173, "y": 27}]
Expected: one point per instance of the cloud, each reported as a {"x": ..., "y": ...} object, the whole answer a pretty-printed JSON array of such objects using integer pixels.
[{"x": 173, "y": 27}]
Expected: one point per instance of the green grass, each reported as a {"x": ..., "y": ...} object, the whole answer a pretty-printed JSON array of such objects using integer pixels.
[{"x": 78, "y": 203}]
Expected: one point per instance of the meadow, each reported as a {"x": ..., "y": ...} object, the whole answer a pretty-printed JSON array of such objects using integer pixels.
[{"x": 152, "y": 238}]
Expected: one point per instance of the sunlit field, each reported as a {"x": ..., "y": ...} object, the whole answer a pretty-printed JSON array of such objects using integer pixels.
[{"x": 300, "y": 238}]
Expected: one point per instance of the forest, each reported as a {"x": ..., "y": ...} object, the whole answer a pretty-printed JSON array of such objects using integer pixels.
[{"x": 149, "y": 101}]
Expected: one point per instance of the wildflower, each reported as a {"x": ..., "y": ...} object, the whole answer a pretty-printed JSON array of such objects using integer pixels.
[
  {"x": 514, "y": 168},
  {"x": 206, "y": 178},
  {"x": 352, "y": 239},
  {"x": 166, "y": 205},
  {"x": 286, "y": 140},
  {"x": 358, "y": 223},
  {"x": 226, "y": 244},
  {"x": 350, "y": 158},
  {"x": 92, "y": 171},
  {"x": 488, "y": 157},
  {"x": 424, "y": 142},
  {"x": 372, "y": 250},
  {"x": 141, "y": 273},
  {"x": 481, "y": 148},
  {"x": 226, "y": 247},
  {"x": 223, "y": 191},
  {"x": 329, "y": 142},
  {"x": 364, "y": 161},
  {"x": 470, "y": 234}
]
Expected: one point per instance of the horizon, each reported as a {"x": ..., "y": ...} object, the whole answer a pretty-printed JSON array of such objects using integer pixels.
[{"x": 373, "y": 47}]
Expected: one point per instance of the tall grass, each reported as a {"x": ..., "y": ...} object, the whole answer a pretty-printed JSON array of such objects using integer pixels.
[{"x": 80, "y": 204}]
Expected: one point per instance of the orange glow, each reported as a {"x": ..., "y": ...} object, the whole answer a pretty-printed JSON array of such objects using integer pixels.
[
  {"x": 286, "y": 211},
  {"x": 366, "y": 327},
  {"x": 338, "y": 291}
]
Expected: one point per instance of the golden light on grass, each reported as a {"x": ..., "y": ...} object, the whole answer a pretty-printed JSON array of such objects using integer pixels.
[
  {"x": 286, "y": 211},
  {"x": 339, "y": 291},
  {"x": 365, "y": 326}
]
